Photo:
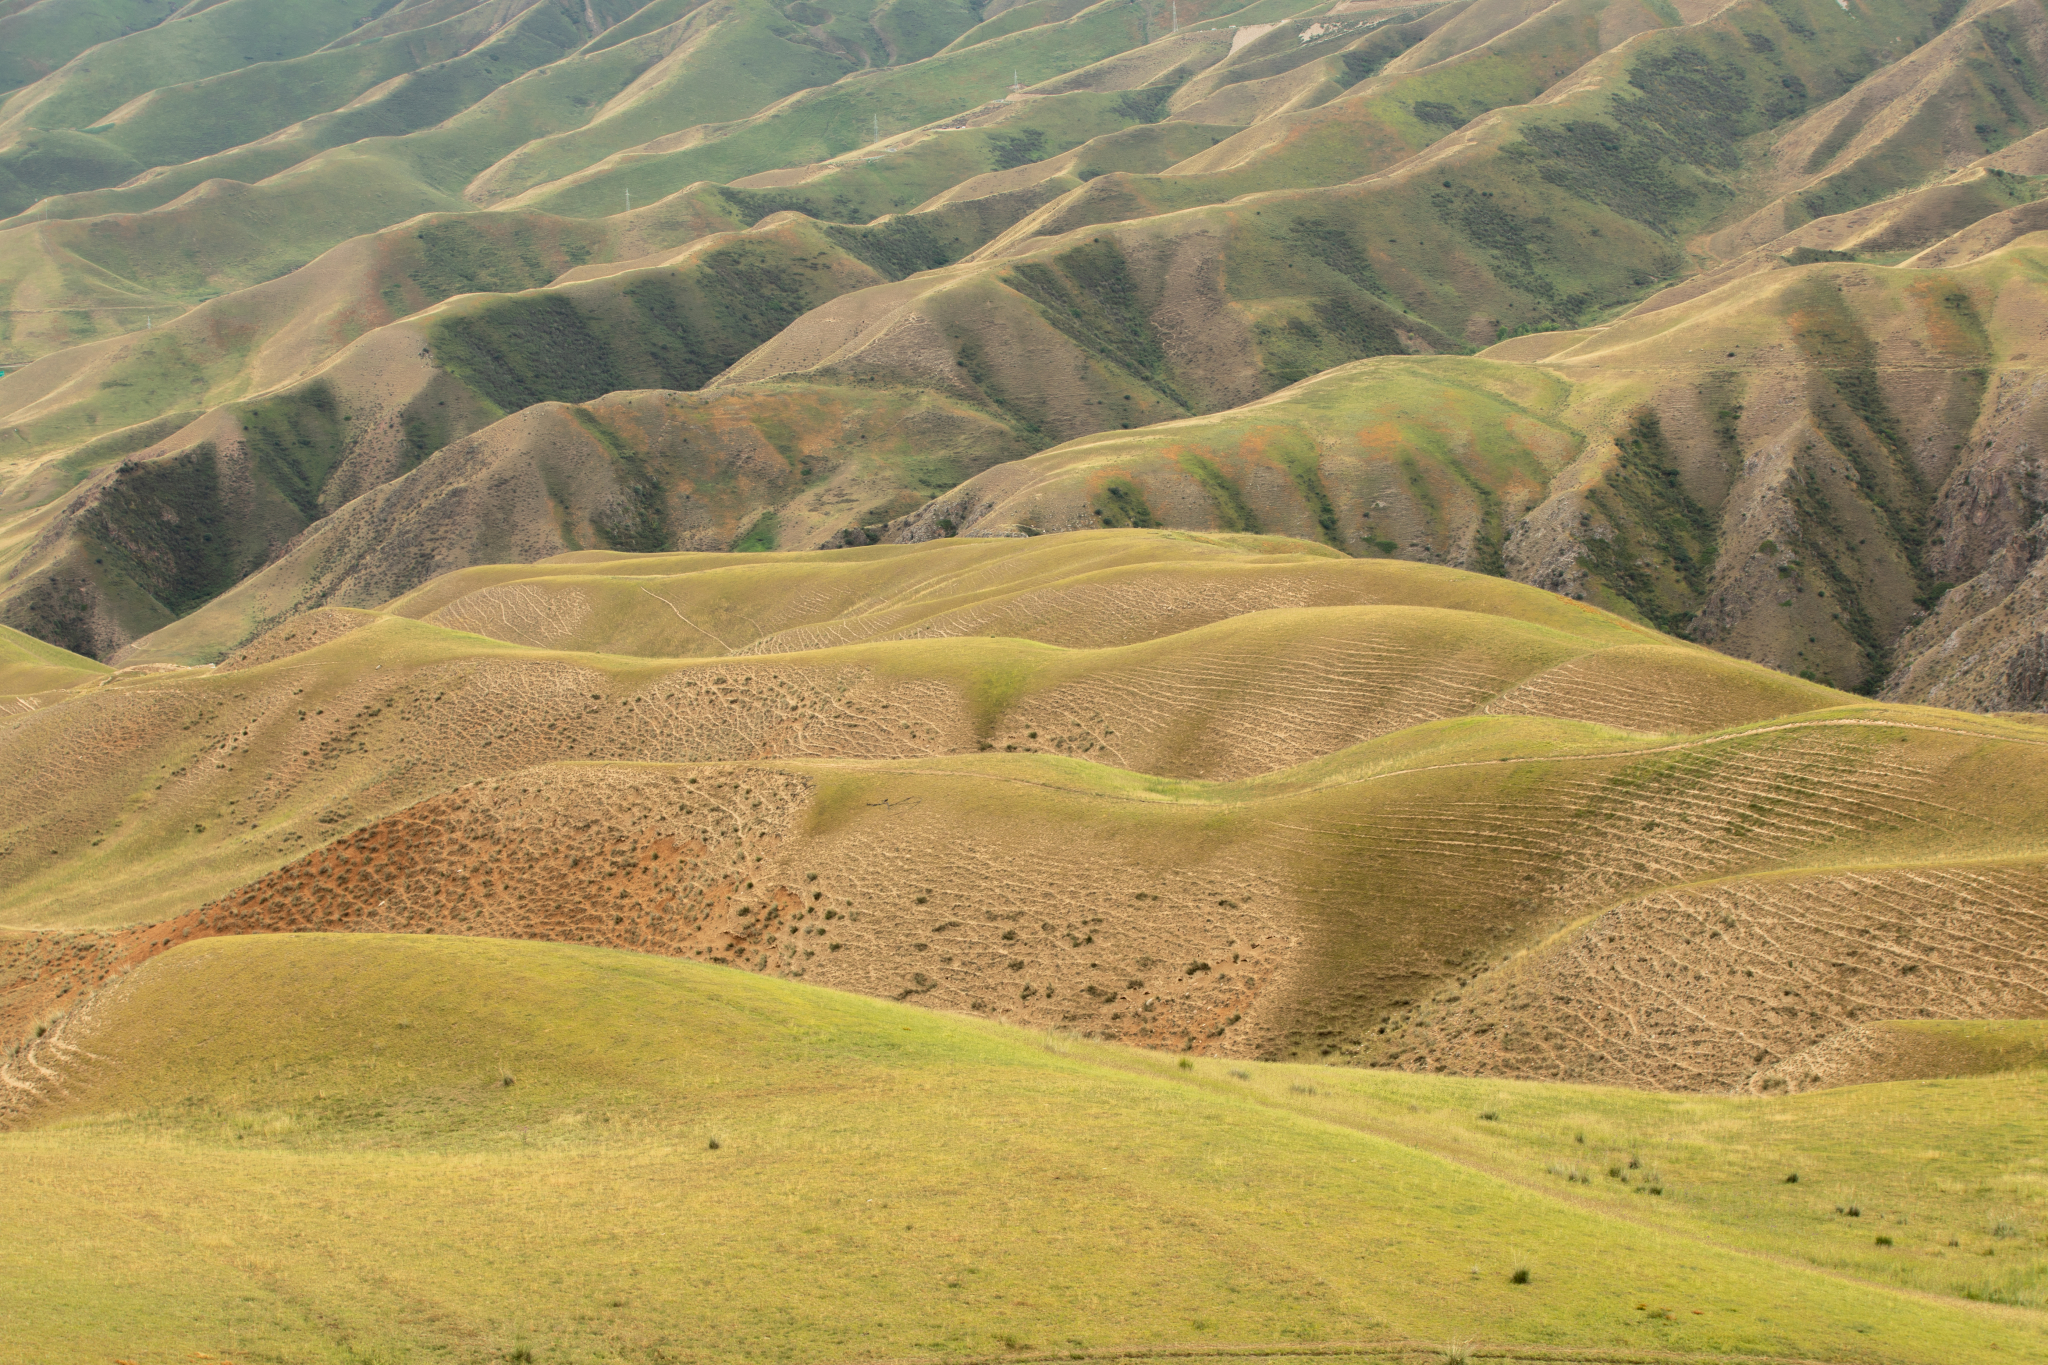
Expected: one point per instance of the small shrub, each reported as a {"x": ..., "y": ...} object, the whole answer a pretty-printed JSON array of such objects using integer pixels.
[
  {"x": 1521, "y": 1275},
  {"x": 1186, "y": 1065},
  {"x": 521, "y": 1355},
  {"x": 713, "y": 1144},
  {"x": 1792, "y": 1179},
  {"x": 1302, "y": 1089},
  {"x": 1849, "y": 1210},
  {"x": 1242, "y": 1075},
  {"x": 1580, "y": 1139},
  {"x": 1883, "y": 1240},
  {"x": 1489, "y": 1116}
]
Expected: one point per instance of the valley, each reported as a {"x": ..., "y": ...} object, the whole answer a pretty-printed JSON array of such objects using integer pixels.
[{"x": 950, "y": 681}]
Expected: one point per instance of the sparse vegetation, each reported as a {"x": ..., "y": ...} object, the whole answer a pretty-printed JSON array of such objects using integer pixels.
[{"x": 725, "y": 488}]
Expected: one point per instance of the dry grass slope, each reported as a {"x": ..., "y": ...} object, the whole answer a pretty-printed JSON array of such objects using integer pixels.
[{"x": 1229, "y": 795}]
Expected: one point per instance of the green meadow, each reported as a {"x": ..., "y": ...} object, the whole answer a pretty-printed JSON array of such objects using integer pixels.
[{"x": 395, "y": 1149}]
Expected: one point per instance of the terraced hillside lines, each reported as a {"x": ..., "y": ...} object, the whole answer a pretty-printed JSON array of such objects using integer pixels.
[
  {"x": 318, "y": 724},
  {"x": 1232, "y": 927},
  {"x": 239, "y": 779},
  {"x": 1084, "y": 609},
  {"x": 1656, "y": 690},
  {"x": 1907, "y": 1050},
  {"x": 1226, "y": 794},
  {"x": 1774, "y": 467},
  {"x": 1265, "y": 688},
  {"x": 1561, "y": 841},
  {"x": 470, "y": 865},
  {"x": 1747, "y": 981},
  {"x": 1111, "y": 588},
  {"x": 920, "y": 901},
  {"x": 55, "y": 982}
]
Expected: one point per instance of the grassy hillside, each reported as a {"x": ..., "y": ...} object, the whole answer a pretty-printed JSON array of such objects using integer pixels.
[
  {"x": 1152, "y": 225},
  {"x": 28, "y": 666},
  {"x": 571, "y": 1154},
  {"x": 784, "y": 467},
  {"x": 189, "y": 89},
  {"x": 1766, "y": 466},
  {"x": 101, "y": 571},
  {"x": 1227, "y": 794},
  {"x": 617, "y": 612}
]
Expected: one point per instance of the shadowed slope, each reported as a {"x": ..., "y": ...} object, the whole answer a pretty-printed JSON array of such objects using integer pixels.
[
  {"x": 103, "y": 570},
  {"x": 1775, "y": 467},
  {"x": 1335, "y": 911},
  {"x": 1154, "y": 226},
  {"x": 786, "y": 466}
]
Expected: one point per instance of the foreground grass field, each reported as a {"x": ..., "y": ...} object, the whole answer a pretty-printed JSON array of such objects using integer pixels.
[{"x": 361, "y": 1148}]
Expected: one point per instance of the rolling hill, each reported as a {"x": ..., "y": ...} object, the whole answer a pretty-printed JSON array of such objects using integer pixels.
[
  {"x": 1235, "y": 795},
  {"x": 1605, "y": 297},
  {"x": 660, "y": 657}
]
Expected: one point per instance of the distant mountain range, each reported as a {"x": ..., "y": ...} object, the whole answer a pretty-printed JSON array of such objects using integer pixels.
[{"x": 1723, "y": 316}]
